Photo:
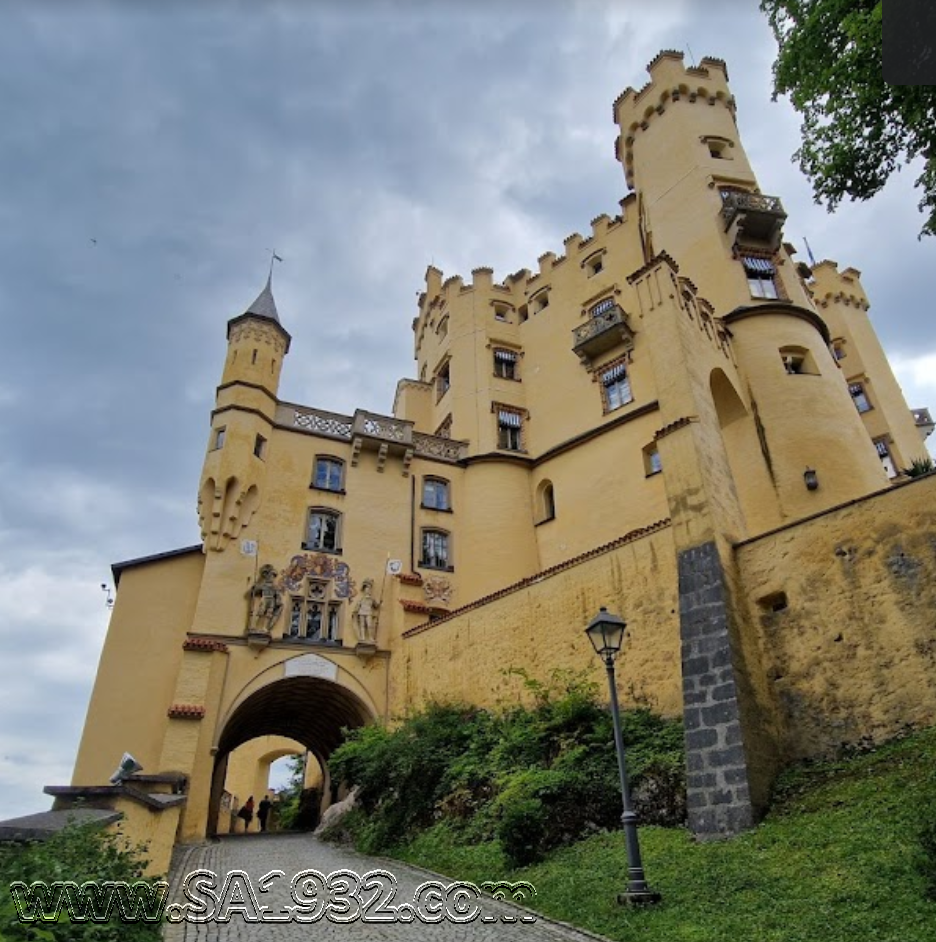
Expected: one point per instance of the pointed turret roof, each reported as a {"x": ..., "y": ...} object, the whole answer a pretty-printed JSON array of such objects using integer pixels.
[{"x": 265, "y": 305}]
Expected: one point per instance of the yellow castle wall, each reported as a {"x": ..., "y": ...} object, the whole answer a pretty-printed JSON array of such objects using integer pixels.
[
  {"x": 851, "y": 657},
  {"x": 139, "y": 663}
]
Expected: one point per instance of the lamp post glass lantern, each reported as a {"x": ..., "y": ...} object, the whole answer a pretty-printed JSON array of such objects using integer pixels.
[{"x": 606, "y": 633}]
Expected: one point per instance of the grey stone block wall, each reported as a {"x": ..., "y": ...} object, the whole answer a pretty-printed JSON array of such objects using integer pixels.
[{"x": 719, "y": 795}]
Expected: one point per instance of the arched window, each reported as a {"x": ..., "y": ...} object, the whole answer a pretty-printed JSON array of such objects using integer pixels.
[{"x": 546, "y": 503}]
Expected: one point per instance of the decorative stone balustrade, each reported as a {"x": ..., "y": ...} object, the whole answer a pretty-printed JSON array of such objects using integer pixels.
[
  {"x": 365, "y": 428},
  {"x": 760, "y": 218},
  {"x": 606, "y": 327}
]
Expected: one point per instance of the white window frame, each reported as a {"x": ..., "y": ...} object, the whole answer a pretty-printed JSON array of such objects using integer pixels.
[
  {"x": 321, "y": 545},
  {"x": 616, "y": 389},
  {"x": 332, "y": 464},
  {"x": 435, "y": 549},
  {"x": 509, "y": 430},
  {"x": 761, "y": 277},
  {"x": 433, "y": 487},
  {"x": 506, "y": 363},
  {"x": 859, "y": 393}
]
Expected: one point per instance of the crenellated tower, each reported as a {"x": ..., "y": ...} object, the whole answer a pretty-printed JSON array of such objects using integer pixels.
[
  {"x": 241, "y": 423},
  {"x": 699, "y": 201}
]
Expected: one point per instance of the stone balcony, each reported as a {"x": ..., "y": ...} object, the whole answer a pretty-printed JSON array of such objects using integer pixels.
[
  {"x": 606, "y": 328},
  {"x": 368, "y": 431},
  {"x": 758, "y": 219}
]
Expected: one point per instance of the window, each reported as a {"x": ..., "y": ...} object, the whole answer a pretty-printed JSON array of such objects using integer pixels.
[
  {"x": 594, "y": 264},
  {"x": 435, "y": 494},
  {"x": 615, "y": 385},
  {"x": 329, "y": 473},
  {"x": 260, "y": 447},
  {"x": 798, "y": 360},
  {"x": 859, "y": 397},
  {"x": 547, "y": 502},
  {"x": 322, "y": 533},
  {"x": 509, "y": 430},
  {"x": 443, "y": 380},
  {"x": 316, "y": 616},
  {"x": 880, "y": 445},
  {"x": 761, "y": 275},
  {"x": 717, "y": 148},
  {"x": 540, "y": 300},
  {"x": 838, "y": 349},
  {"x": 442, "y": 329},
  {"x": 652, "y": 462},
  {"x": 505, "y": 364},
  {"x": 602, "y": 307},
  {"x": 435, "y": 550},
  {"x": 500, "y": 313},
  {"x": 219, "y": 437}
]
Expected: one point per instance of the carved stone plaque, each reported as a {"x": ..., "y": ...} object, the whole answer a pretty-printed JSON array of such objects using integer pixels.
[{"x": 310, "y": 665}]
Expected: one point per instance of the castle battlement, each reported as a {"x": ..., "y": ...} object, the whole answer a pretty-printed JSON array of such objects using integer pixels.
[
  {"x": 830, "y": 285},
  {"x": 670, "y": 81}
]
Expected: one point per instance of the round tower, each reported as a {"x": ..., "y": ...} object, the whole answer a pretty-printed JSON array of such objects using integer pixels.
[
  {"x": 242, "y": 422},
  {"x": 698, "y": 198},
  {"x": 816, "y": 449}
]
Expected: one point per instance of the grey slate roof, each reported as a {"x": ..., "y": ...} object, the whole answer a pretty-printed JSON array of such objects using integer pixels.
[
  {"x": 265, "y": 306},
  {"x": 41, "y": 826}
]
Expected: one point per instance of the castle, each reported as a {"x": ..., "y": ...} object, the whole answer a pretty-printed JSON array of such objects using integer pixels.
[{"x": 672, "y": 418}]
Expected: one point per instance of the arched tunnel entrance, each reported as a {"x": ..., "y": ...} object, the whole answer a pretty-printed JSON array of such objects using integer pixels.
[{"x": 310, "y": 710}]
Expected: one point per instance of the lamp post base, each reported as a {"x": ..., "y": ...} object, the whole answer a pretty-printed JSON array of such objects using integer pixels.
[{"x": 639, "y": 898}]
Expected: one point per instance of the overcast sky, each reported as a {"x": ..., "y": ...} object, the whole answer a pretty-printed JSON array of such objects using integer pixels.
[{"x": 153, "y": 154}]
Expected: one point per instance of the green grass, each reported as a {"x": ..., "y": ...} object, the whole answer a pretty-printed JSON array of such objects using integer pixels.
[{"x": 836, "y": 860}]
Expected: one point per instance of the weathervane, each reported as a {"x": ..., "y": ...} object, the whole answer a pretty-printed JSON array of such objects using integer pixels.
[{"x": 273, "y": 258}]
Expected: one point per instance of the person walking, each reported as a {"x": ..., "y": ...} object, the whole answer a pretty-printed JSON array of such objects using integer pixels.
[
  {"x": 263, "y": 812},
  {"x": 247, "y": 813}
]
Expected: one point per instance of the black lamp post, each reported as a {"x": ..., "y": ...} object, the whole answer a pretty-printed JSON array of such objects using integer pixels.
[{"x": 606, "y": 633}]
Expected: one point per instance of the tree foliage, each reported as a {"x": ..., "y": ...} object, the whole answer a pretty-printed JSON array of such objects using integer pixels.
[{"x": 857, "y": 129}]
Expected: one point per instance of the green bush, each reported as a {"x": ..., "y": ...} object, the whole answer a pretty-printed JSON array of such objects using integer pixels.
[
  {"x": 522, "y": 830},
  {"x": 77, "y": 853},
  {"x": 534, "y": 777}
]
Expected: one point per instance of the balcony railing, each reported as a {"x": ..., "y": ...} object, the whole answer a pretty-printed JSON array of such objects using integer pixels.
[
  {"x": 603, "y": 330},
  {"x": 760, "y": 218},
  {"x": 382, "y": 427},
  {"x": 368, "y": 427}
]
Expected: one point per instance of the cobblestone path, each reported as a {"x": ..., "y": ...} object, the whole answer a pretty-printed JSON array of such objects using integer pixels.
[{"x": 258, "y": 855}]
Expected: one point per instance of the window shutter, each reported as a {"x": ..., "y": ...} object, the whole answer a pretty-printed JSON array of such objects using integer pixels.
[
  {"x": 758, "y": 266},
  {"x": 602, "y": 307},
  {"x": 508, "y": 419},
  {"x": 610, "y": 377},
  {"x": 505, "y": 356}
]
